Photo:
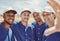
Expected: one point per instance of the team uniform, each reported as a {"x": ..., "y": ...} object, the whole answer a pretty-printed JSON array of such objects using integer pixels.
[
  {"x": 53, "y": 37},
  {"x": 6, "y": 35},
  {"x": 22, "y": 33},
  {"x": 39, "y": 30}
]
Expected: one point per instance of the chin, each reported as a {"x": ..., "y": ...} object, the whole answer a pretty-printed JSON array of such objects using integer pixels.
[
  {"x": 11, "y": 23},
  {"x": 38, "y": 20}
]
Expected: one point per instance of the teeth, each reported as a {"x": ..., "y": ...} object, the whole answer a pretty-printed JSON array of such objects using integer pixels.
[{"x": 10, "y": 20}]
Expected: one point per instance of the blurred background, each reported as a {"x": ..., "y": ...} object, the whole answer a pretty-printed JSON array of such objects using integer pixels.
[{"x": 20, "y": 5}]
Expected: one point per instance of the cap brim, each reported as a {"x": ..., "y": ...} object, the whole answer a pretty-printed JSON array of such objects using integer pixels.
[
  {"x": 11, "y": 11},
  {"x": 26, "y": 11}
]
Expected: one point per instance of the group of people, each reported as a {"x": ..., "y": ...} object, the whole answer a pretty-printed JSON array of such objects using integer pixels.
[{"x": 47, "y": 30}]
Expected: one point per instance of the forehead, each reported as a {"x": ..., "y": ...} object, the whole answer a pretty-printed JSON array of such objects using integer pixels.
[
  {"x": 46, "y": 13},
  {"x": 25, "y": 13},
  {"x": 10, "y": 13},
  {"x": 35, "y": 13}
]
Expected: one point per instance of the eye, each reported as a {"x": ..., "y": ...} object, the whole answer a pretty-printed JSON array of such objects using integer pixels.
[
  {"x": 10, "y": 15},
  {"x": 48, "y": 14},
  {"x": 24, "y": 14},
  {"x": 28, "y": 15},
  {"x": 43, "y": 15}
]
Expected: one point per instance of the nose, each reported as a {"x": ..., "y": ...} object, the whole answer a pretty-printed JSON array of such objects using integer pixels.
[{"x": 11, "y": 17}]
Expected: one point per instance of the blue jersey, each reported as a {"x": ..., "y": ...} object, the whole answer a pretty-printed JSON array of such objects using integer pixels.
[
  {"x": 53, "y": 37},
  {"x": 22, "y": 33},
  {"x": 4, "y": 33},
  {"x": 39, "y": 30}
]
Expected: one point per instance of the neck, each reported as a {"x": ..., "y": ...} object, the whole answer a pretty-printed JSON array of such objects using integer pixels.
[
  {"x": 40, "y": 22},
  {"x": 24, "y": 23},
  {"x": 6, "y": 25}
]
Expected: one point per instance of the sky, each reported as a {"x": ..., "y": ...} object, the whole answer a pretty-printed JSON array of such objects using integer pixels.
[{"x": 20, "y": 5}]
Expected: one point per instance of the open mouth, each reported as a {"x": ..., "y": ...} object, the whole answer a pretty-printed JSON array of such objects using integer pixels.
[{"x": 10, "y": 20}]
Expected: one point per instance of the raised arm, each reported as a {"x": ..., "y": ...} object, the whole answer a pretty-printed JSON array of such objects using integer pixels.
[
  {"x": 56, "y": 8},
  {"x": 54, "y": 5}
]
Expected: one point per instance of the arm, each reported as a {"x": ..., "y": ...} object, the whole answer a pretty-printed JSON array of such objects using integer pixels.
[
  {"x": 56, "y": 8},
  {"x": 54, "y": 5}
]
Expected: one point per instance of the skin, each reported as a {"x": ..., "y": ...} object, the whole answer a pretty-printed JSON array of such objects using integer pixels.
[
  {"x": 37, "y": 18},
  {"x": 24, "y": 18},
  {"x": 8, "y": 19},
  {"x": 56, "y": 7},
  {"x": 49, "y": 18}
]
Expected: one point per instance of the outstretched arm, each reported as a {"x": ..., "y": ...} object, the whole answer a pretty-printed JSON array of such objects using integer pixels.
[{"x": 56, "y": 8}]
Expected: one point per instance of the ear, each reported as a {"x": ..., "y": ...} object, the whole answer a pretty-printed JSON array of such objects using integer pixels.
[{"x": 54, "y": 16}]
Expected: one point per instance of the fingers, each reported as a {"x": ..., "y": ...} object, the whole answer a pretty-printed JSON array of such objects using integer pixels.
[{"x": 54, "y": 5}]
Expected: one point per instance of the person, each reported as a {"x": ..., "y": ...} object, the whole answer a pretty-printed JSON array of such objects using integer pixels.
[
  {"x": 22, "y": 30},
  {"x": 52, "y": 33},
  {"x": 39, "y": 26},
  {"x": 5, "y": 30},
  {"x": 50, "y": 20}
]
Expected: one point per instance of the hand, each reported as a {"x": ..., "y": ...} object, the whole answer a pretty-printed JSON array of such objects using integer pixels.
[
  {"x": 54, "y": 5},
  {"x": 56, "y": 8}
]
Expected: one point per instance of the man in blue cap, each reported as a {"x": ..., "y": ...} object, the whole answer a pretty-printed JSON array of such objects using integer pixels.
[
  {"x": 39, "y": 26},
  {"x": 5, "y": 30},
  {"x": 21, "y": 30}
]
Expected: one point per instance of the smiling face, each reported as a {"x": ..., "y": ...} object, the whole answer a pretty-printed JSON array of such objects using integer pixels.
[
  {"x": 25, "y": 16},
  {"x": 49, "y": 18},
  {"x": 37, "y": 17},
  {"x": 9, "y": 17}
]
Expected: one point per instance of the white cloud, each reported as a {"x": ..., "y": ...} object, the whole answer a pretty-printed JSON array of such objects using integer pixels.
[
  {"x": 29, "y": 4},
  {"x": 19, "y": 5}
]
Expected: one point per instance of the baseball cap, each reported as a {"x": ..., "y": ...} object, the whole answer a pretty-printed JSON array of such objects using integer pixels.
[
  {"x": 7, "y": 10},
  {"x": 26, "y": 11},
  {"x": 48, "y": 9}
]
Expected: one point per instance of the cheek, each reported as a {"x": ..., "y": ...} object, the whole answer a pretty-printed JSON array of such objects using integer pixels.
[
  {"x": 51, "y": 18},
  {"x": 35, "y": 17},
  {"x": 28, "y": 17},
  {"x": 44, "y": 18},
  {"x": 23, "y": 18},
  {"x": 13, "y": 18},
  {"x": 6, "y": 18}
]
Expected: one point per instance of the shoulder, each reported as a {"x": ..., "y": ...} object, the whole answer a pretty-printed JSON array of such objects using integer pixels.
[
  {"x": 31, "y": 26},
  {"x": 54, "y": 37},
  {"x": 45, "y": 24},
  {"x": 14, "y": 25},
  {"x": 49, "y": 31},
  {"x": 1, "y": 25},
  {"x": 34, "y": 23}
]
